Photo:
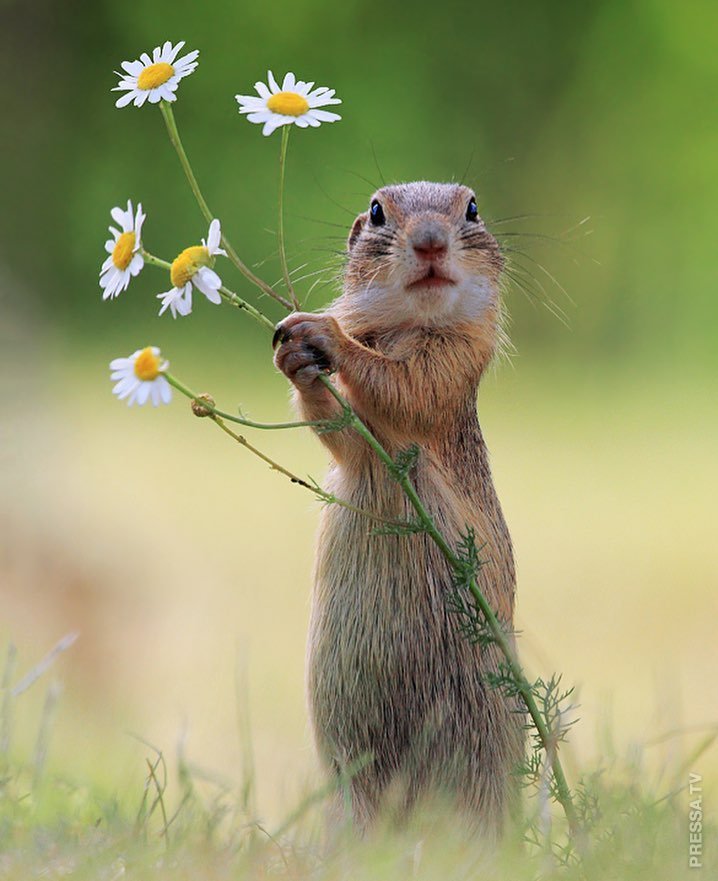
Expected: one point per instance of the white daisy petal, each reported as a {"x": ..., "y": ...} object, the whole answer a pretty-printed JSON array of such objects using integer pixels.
[
  {"x": 288, "y": 82},
  {"x": 187, "y": 60},
  {"x": 324, "y": 115},
  {"x": 128, "y": 383},
  {"x": 253, "y": 108},
  {"x": 126, "y": 390},
  {"x": 213, "y": 236},
  {"x": 272, "y": 82},
  {"x": 136, "y": 265},
  {"x": 125, "y": 99},
  {"x": 174, "y": 50},
  {"x": 252, "y": 100},
  {"x": 184, "y": 304},
  {"x": 143, "y": 392},
  {"x": 169, "y": 301},
  {"x": 107, "y": 274},
  {"x": 140, "y": 218},
  {"x": 321, "y": 97},
  {"x": 166, "y": 92},
  {"x": 270, "y": 126},
  {"x": 125, "y": 380},
  {"x": 208, "y": 282},
  {"x": 132, "y": 67},
  {"x": 262, "y": 90},
  {"x": 214, "y": 297}
]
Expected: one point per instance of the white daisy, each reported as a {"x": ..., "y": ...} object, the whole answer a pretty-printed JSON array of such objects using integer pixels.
[
  {"x": 194, "y": 267},
  {"x": 294, "y": 102},
  {"x": 154, "y": 79},
  {"x": 139, "y": 378},
  {"x": 124, "y": 261}
]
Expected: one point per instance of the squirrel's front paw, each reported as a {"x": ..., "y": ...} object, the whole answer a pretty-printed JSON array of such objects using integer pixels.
[{"x": 308, "y": 345}]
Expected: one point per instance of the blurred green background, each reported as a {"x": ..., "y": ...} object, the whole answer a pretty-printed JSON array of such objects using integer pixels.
[{"x": 179, "y": 558}]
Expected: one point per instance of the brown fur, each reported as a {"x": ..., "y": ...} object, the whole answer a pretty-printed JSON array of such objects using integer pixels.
[{"x": 388, "y": 673}]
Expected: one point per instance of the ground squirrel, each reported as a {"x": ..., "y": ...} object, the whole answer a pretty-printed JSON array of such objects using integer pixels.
[{"x": 389, "y": 674}]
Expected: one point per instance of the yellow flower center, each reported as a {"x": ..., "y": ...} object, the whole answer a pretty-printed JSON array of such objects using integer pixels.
[
  {"x": 187, "y": 263},
  {"x": 123, "y": 250},
  {"x": 288, "y": 104},
  {"x": 147, "y": 365},
  {"x": 155, "y": 75}
]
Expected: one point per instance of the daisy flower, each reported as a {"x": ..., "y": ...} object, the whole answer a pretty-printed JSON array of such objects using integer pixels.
[
  {"x": 194, "y": 267},
  {"x": 294, "y": 102},
  {"x": 139, "y": 378},
  {"x": 154, "y": 79},
  {"x": 124, "y": 261}
]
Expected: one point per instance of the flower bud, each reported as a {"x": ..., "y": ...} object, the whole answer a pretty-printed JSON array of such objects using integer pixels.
[{"x": 199, "y": 409}]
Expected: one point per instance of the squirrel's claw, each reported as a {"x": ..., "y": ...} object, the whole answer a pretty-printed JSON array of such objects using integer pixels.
[{"x": 281, "y": 334}]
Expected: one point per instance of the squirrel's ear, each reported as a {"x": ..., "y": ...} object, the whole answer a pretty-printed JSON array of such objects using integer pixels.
[{"x": 356, "y": 230}]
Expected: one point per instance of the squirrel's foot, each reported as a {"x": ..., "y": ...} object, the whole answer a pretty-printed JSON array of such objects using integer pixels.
[{"x": 308, "y": 346}]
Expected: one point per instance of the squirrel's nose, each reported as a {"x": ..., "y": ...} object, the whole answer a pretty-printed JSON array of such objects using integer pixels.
[{"x": 429, "y": 242}]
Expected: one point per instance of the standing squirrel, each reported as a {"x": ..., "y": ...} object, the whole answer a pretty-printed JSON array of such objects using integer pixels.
[{"x": 390, "y": 676}]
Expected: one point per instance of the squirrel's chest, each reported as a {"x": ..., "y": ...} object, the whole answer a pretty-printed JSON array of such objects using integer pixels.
[
  {"x": 366, "y": 571},
  {"x": 380, "y": 594}
]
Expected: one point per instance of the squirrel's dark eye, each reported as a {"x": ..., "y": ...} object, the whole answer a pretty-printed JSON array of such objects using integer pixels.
[
  {"x": 376, "y": 213},
  {"x": 472, "y": 212}
]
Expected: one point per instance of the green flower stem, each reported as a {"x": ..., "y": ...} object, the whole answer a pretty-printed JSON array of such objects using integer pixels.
[
  {"x": 169, "y": 119},
  {"x": 240, "y": 420},
  {"x": 218, "y": 417},
  {"x": 282, "y": 251},
  {"x": 237, "y": 301},
  {"x": 155, "y": 261},
  {"x": 497, "y": 630}
]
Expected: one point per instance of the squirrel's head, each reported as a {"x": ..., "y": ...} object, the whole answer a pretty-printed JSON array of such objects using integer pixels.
[{"x": 421, "y": 255}]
